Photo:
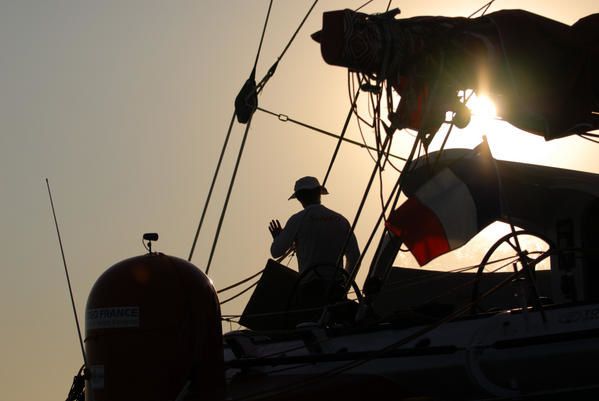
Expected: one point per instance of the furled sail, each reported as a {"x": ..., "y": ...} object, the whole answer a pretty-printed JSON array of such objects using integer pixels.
[{"x": 541, "y": 74}]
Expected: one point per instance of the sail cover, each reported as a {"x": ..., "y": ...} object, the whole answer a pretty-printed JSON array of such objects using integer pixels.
[{"x": 542, "y": 74}]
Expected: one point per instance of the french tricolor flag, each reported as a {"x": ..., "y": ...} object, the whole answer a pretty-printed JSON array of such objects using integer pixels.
[{"x": 450, "y": 208}]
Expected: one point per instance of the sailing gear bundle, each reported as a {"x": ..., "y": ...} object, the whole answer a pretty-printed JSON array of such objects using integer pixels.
[{"x": 540, "y": 73}]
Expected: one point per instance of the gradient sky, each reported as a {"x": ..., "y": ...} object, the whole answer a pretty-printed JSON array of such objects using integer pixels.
[{"x": 124, "y": 105}]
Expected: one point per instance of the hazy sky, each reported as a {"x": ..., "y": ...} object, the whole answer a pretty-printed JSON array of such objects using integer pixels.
[{"x": 124, "y": 105}]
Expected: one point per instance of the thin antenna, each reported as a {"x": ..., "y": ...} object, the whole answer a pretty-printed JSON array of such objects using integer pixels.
[{"x": 66, "y": 272}]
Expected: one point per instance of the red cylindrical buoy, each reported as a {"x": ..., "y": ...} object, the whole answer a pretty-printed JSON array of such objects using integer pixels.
[{"x": 153, "y": 333}]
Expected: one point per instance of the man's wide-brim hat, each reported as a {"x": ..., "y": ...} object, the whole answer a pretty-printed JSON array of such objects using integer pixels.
[{"x": 307, "y": 183}]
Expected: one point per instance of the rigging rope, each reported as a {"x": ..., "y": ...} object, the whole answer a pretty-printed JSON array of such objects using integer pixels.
[
  {"x": 262, "y": 36},
  {"x": 589, "y": 137},
  {"x": 381, "y": 152},
  {"x": 463, "y": 285},
  {"x": 298, "y": 29},
  {"x": 224, "y": 210},
  {"x": 485, "y": 8},
  {"x": 214, "y": 177},
  {"x": 273, "y": 68},
  {"x": 419, "y": 280},
  {"x": 285, "y": 118},
  {"x": 257, "y": 90},
  {"x": 341, "y": 136},
  {"x": 225, "y": 145},
  {"x": 395, "y": 192},
  {"x": 364, "y": 5},
  {"x": 360, "y": 119},
  {"x": 289, "y": 312},
  {"x": 245, "y": 280},
  {"x": 353, "y": 269},
  {"x": 240, "y": 293}
]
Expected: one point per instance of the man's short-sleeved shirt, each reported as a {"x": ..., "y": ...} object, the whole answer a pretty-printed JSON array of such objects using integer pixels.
[{"x": 319, "y": 234}]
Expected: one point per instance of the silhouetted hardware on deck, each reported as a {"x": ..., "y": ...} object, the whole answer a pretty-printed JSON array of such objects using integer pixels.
[{"x": 150, "y": 237}]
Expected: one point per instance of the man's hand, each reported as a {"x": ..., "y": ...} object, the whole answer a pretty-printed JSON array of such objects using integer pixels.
[{"x": 275, "y": 228}]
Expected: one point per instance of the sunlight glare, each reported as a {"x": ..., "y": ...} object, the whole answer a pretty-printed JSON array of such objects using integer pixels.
[
  {"x": 482, "y": 107},
  {"x": 506, "y": 142}
]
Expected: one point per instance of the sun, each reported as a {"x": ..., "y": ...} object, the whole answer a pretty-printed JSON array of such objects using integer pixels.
[
  {"x": 482, "y": 108},
  {"x": 483, "y": 122},
  {"x": 506, "y": 141}
]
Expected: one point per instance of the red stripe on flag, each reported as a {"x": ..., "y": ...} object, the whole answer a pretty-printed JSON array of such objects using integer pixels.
[{"x": 420, "y": 229}]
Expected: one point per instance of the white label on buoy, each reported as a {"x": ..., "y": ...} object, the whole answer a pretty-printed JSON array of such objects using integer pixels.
[{"x": 112, "y": 318}]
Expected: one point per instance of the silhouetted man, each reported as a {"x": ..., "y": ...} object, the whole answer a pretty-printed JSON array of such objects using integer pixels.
[{"x": 317, "y": 233}]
